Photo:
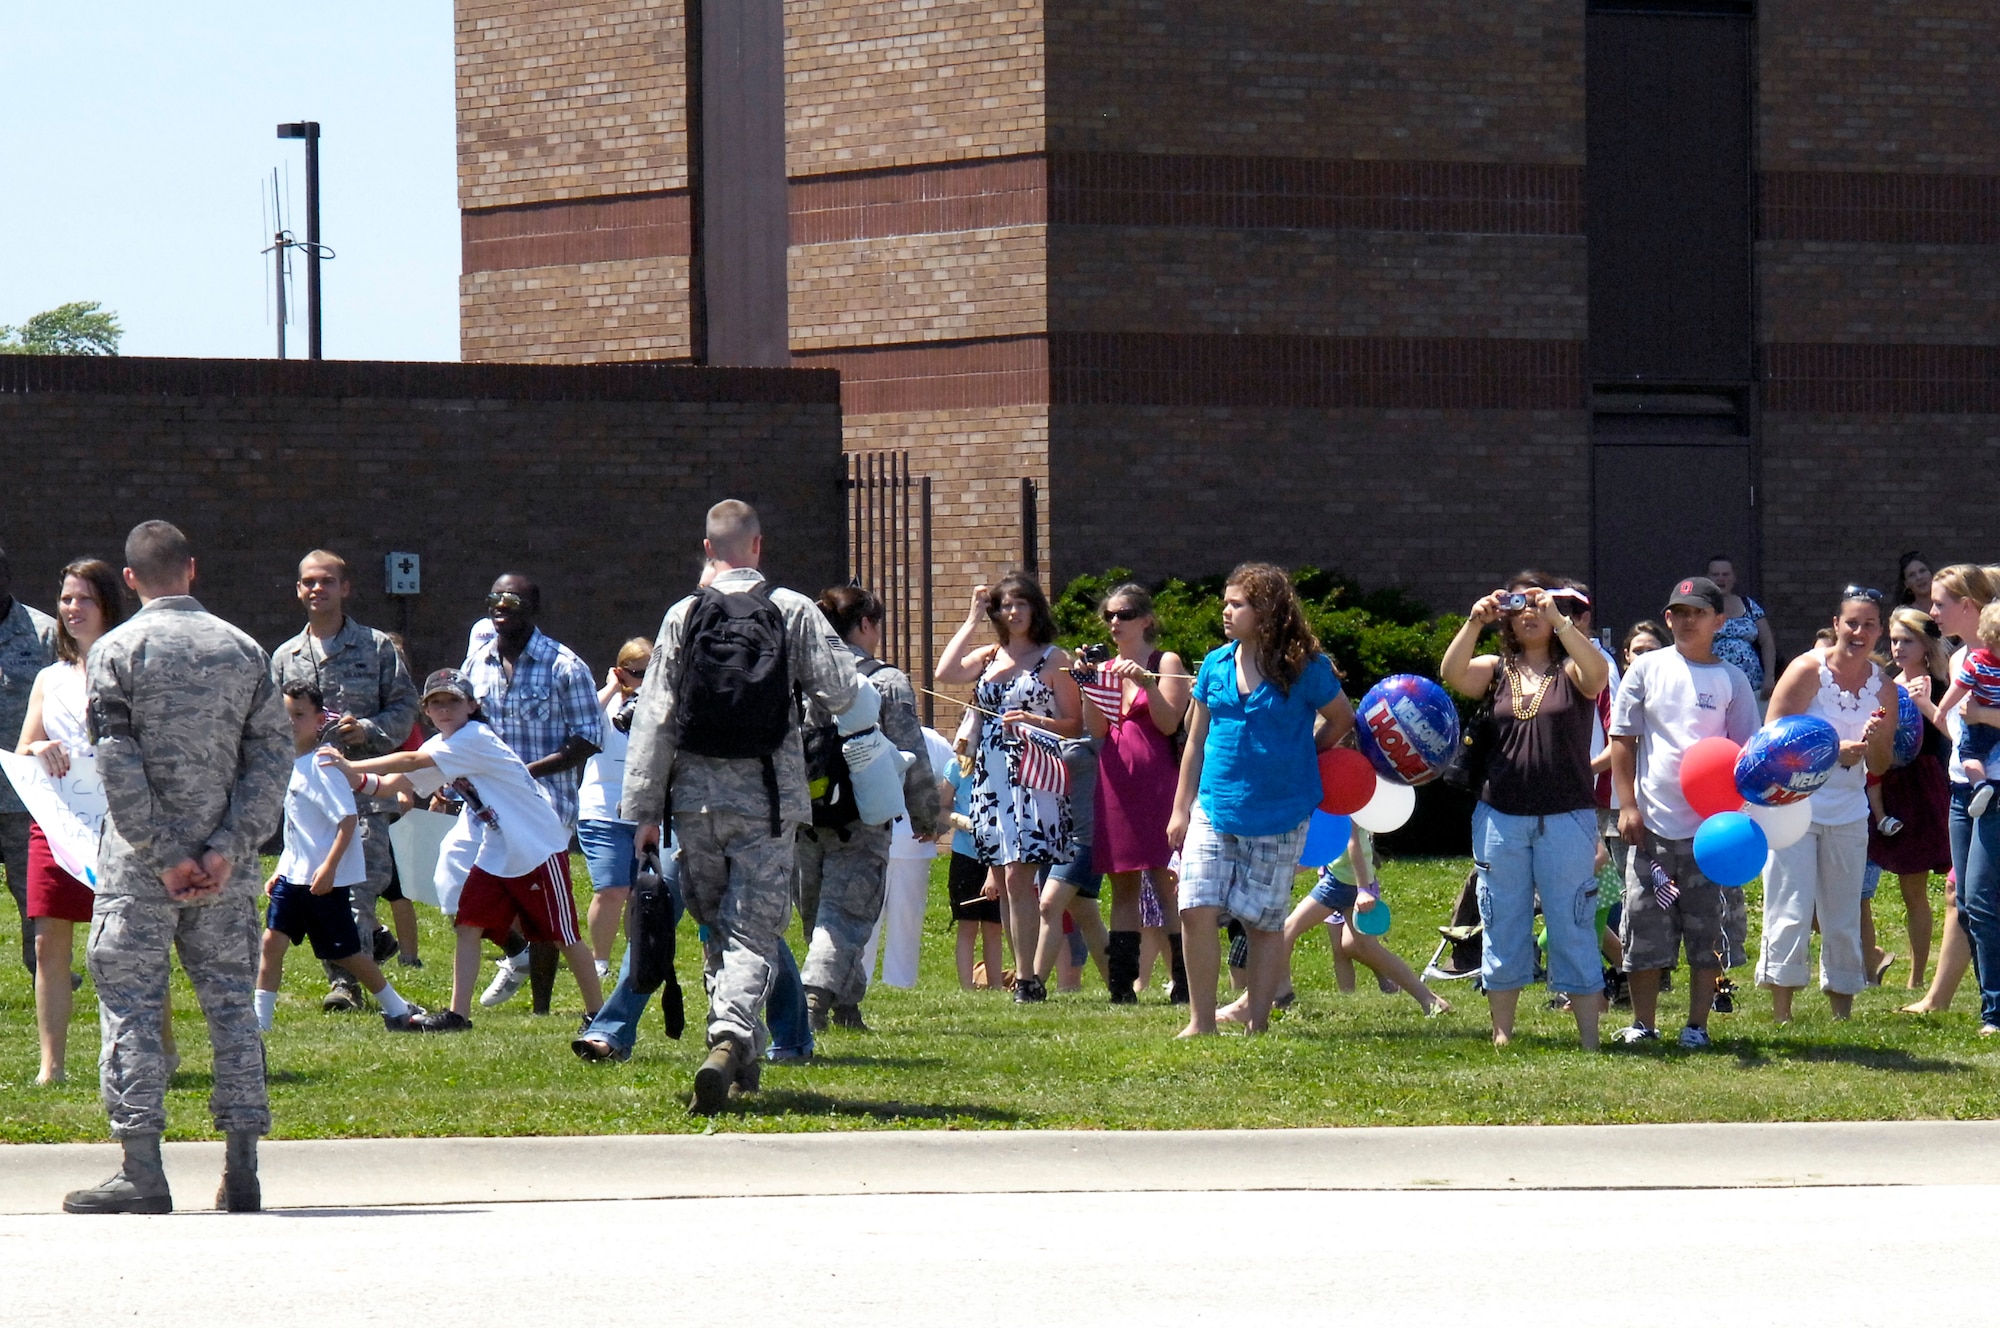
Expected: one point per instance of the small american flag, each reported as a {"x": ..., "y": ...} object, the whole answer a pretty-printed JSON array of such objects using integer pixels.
[
  {"x": 1665, "y": 888},
  {"x": 1107, "y": 694},
  {"x": 1041, "y": 762}
]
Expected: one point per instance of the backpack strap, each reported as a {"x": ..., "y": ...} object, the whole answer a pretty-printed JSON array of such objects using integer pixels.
[{"x": 771, "y": 793}]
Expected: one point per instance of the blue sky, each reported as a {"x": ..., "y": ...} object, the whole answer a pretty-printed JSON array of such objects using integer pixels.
[{"x": 134, "y": 137}]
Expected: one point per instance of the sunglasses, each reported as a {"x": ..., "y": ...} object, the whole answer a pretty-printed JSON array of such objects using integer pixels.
[
  {"x": 1122, "y": 615},
  {"x": 631, "y": 672},
  {"x": 506, "y": 599},
  {"x": 1861, "y": 592}
]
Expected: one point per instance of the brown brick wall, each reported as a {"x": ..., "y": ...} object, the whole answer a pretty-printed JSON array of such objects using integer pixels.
[
  {"x": 635, "y": 309},
  {"x": 942, "y": 286},
  {"x": 875, "y": 84},
  {"x": 1437, "y": 502},
  {"x": 601, "y": 501},
  {"x": 1456, "y": 80},
  {"x": 1902, "y": 293},
  {"x": 1348, "y": 283},
  {"x": 569, "y": 100},
  {"x": 1922, "y": 481},
  {"x": 1879, "y": 85}
]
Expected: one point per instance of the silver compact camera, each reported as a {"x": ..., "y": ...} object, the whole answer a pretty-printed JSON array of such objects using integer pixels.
[{"x": 1509, "y": 601}]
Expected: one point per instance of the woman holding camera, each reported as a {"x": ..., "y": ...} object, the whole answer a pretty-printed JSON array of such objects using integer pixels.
[
  {"x": 1022, "y": 684},
  {"x": 1136, "y": 776},
  {"x": 1534, "y": 830}
]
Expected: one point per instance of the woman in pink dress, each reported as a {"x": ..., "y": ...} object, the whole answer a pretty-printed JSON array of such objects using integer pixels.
[{"x": 1136, "y": 775}]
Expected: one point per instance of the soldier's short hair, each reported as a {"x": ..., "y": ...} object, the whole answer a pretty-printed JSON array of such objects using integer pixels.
[
  {"x": 331, "y": 559},
  {"x": 157, "y": 552},
  {"x": 732, "y": 525}
]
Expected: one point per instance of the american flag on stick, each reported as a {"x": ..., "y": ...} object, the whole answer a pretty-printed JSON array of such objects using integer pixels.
[
  {"x": 1042, "y": 767},
  {"x": 1107, "y": 694},
  {"x": 1665, "y": 888}
]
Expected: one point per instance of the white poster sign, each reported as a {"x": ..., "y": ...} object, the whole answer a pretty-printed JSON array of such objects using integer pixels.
[
  {"x": 417, "y": 839},
  {"x": 70, "y": 809}
]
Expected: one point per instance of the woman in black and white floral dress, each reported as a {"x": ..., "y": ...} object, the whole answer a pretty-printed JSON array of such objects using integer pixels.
[{"x": 1023, "y": 680}]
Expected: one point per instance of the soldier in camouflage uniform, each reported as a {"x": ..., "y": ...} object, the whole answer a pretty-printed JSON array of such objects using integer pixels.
[
  {"x": 364, "y": 680},
  {"x": 193, "y": 746},
  {"x": 735, "y": 872},
  {"x": 27, "y": 646},
  {"x": 843, "y": 869}
]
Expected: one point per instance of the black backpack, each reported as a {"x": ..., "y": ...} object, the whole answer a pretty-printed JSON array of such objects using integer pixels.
[
  {"x": 735, "y": 695},
  {"x": 827, "y": 775}
]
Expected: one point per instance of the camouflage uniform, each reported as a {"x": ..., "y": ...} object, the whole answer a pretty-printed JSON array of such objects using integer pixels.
[
  {"x": 359, "y": 673},
  {"x": 27, "y": 646},
  {"x": 195, "y": 752},
  {"x": 736, "y": 875},
  {"x": 843, "y": 872}
]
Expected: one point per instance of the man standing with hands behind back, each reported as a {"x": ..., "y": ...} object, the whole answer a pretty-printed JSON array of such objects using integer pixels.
[
  {"x": 192, "y": 743},
  {"x": 366, "y": 683}
]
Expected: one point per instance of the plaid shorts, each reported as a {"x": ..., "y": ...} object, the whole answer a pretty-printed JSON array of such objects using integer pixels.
[{"x": 1249, "y": 877}]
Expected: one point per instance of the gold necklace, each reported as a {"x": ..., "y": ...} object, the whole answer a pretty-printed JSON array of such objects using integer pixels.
[{"x": 1526, "y": 707}]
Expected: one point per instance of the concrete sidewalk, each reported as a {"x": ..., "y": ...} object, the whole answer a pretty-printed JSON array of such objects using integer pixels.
[{"x": 382, "y": 1173}]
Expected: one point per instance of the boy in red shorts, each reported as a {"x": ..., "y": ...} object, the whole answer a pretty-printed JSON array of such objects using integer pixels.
[{"x": 517, "y": 844}]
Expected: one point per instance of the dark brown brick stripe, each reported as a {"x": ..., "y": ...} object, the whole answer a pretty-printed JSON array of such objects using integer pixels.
[
  {"x": 1880, "y": 207},
  {"x": 920, "y": 200},
  {"x": 582, "y": 230},
  {"x": 938, "y": 375},
  {"x": 1884, "y": 380}
]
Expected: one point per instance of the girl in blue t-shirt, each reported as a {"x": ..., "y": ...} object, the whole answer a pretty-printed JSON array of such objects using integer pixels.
[{"x": 1263, "y": 707}]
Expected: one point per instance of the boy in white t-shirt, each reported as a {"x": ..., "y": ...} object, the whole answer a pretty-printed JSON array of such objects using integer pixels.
[
  {"x": 322, "y": 858},
  {"x": 518, "y": 846},
  {"x": 1670, "y": 700}
]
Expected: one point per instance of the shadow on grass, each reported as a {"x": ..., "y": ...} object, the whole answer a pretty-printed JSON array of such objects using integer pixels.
[
  {"x": 1754, "y": 1055},
  {"x": 791, "y": 1102},
  {"x": 885, "y": 1062}
]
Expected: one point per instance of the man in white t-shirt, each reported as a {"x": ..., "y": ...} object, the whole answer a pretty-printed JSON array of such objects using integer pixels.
[
  {"x": 899, "y": 931},
  {"x": 1670, "y": 700}
]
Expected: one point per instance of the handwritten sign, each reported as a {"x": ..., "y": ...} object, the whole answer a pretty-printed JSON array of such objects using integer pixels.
[
  {"x": 69, "y": 809},
  {"x": 418, "y": 839}
]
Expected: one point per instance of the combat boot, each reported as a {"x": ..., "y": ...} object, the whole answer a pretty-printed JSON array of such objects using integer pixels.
[
  {"x": 712, "y": 1081},
  {"x": 343, "y": 995},
  {"x": 849, "y": 1016},
  {"x": 819, "y": 1008},
  {"x": 1121, "y": 967},
  {"x": 1177, "y": 994},
  {"x": 139, "y": 1186},
  {"x": 240, "y": 1192}
]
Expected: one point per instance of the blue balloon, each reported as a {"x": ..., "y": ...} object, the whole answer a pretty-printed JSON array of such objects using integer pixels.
[
  {"x": 1730, "y": 849},
  {"x": 1408, "y": 728},
  {"x": 1909, "y": 727},
  {"x": 1326, "y": 838},
  {"x": 1374, "y": 922},
  {"x": 1787, "y": 760}
]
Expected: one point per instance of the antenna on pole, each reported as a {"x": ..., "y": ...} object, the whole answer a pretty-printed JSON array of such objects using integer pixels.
[{"x": 309, "y": 131}]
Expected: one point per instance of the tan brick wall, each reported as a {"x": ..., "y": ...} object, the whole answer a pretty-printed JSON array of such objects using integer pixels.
[
  {"x": 1451, "y": 80},
  {"x": 1903, "y": 293},
  {"x": 1887, "y": 85},
  {"x": 895, "y": 82},
  {"x": 568, "y": 100},
  {"x": 635, "y": 309},
  {"x": 919, "y": 288},
  {"x": 1315, "y": 282}
]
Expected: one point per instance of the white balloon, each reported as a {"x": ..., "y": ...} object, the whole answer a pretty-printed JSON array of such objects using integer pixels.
[
  {"x": 1784, "y": 825},
  {"x": 1388, "y": 809}
]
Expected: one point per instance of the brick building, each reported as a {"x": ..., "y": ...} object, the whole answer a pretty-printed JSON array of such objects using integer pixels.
[{"x": 1421, "y": 292}]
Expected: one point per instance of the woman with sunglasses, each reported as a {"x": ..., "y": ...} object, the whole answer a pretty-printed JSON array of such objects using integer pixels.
[
  {"x": 1819, "y": 877},
  {"x": 1915, "y": 797},
  {"x": 605, "y": 840},
  {"x": 1022, "y": 683},
  {"x": 1136, "y": 776}
]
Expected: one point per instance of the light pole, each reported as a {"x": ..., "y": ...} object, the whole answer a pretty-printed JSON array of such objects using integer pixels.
[{"x": 309, "y": 131}]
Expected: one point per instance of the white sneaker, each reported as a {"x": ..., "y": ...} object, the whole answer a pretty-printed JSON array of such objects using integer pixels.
[
  {"x": 1982, "y": 798},
  {"x": 1694, "y": 1039},
  {"x": 1636, "y": 1033},
  {"x": 603, "y": 970},
  {"x": 505, "y": 983}
]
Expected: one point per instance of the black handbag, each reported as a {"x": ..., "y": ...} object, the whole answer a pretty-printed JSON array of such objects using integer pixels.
[
  {"x": 649, "y": 930},
  {"x": 1467, "y": 768}
]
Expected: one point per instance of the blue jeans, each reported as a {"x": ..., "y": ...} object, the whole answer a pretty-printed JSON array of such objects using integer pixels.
[
  {"x": 1975, "y": 856},
  {"x": 1520, "y": 858},
  {"x": 607, "y": 851}
]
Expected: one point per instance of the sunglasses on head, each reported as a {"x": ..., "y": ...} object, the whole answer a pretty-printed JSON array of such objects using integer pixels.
[
  {"x": 1861, "y": 592},
  {"x": 1122, "y": 615},
  {"x": 506, "y": 599}
]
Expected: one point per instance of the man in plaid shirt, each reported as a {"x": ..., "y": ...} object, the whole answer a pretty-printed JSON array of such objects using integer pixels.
[{"x": 540, "y": 700}]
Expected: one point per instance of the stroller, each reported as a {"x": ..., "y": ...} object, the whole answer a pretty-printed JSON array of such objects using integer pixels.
[{"x": 1458, "y": 952}]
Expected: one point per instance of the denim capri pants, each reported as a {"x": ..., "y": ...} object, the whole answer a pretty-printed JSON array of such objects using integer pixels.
[
  {"x": 608, "y": 852},
  {"x": 1520, "y": 858}
]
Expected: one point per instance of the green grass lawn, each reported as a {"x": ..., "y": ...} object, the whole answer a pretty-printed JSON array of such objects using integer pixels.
[{"x": 942, "y": 1058}]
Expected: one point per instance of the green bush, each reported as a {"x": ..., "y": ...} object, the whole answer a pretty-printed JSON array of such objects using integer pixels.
[{"x": 1369, "y": 634}]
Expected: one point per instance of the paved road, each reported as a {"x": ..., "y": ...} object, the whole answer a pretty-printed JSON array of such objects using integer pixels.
[{"x": 1824, "y": 1257}]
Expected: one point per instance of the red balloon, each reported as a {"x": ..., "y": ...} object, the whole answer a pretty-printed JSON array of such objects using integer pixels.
[
  {"x": 1346, "y": 781},
  {"x": 1708, "y": 776}
]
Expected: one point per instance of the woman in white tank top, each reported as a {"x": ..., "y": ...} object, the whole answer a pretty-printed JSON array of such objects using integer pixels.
[
  {"x": 1821, "y": 874},
  {"x": 57, "y": 732}
]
